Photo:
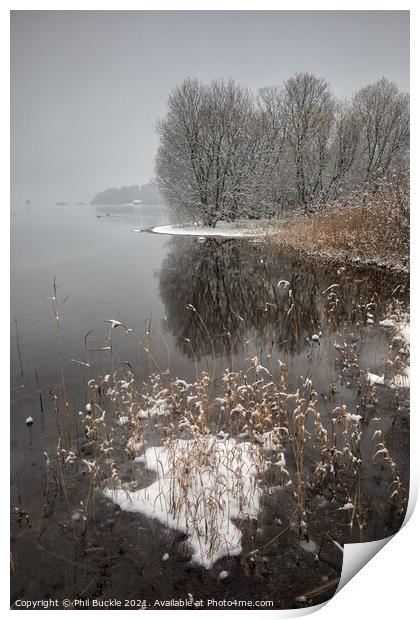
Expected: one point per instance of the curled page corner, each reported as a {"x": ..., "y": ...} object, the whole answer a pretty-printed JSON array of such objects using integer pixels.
[{"x": 357, "y": 555}]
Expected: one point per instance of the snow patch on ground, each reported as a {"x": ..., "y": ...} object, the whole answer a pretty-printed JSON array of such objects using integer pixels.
[
  {"x": 205, "y": 231},
  {"x": 375, "y": 379},
  {"x": 155, "y": 408},
  {"x": 401, "y": 327},
  {"x": 202, "y": 484},
  {"x": 402, "y": 380}
]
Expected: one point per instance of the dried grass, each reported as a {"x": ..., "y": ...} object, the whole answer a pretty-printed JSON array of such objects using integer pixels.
[{"x": 368, "y": 225}]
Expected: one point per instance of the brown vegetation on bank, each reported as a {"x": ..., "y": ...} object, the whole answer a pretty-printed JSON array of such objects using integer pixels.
[{"x": 370, "y": 225}]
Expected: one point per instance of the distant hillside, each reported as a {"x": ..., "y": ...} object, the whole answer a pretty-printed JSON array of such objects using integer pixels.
[{"x": 147, "y": 193}]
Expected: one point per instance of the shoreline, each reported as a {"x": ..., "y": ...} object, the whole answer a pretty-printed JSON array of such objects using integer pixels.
[
  {"x": 336, "y": 257},
  {"x": 274, "y": 238}
]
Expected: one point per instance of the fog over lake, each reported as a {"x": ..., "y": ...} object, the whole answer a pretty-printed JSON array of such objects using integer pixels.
[{"x": 88, "y": 87}]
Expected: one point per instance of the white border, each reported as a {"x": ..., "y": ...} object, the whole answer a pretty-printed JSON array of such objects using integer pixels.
[{"x": 387, "y": 586}]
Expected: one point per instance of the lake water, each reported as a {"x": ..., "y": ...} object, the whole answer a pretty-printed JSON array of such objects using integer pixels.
[{"x": 148, "y": 281}]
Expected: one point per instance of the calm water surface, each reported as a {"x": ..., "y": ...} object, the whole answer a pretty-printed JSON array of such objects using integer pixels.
[{"x": 108, "y": 272}]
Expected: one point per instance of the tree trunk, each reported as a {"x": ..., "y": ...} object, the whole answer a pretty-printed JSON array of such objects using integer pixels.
[{"x": 209, "y": 222}]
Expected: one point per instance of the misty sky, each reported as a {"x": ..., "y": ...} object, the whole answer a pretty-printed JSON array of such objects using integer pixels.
[{"x": 88, "y": 87}]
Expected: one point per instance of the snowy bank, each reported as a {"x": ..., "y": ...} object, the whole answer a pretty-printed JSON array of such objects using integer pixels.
[{"x": 207, "y": 231}]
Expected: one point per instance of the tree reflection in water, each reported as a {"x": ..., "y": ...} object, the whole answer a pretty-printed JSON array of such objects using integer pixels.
[{"x": 244, "y": 291}]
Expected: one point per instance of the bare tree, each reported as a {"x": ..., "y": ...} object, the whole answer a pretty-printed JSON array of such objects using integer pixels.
[
  {"x": 210, "y": 151},
  {"x": 271, "y": 194},
  {"x": 235, "y": 143},
  {"x": 181, "y": 158},
  {"x": 309, "y": 113},
  {"x": 344, "y": 147},
  {"x": 383, "y": 116}
]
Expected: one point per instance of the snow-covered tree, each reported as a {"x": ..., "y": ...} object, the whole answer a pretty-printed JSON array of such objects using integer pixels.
[
  {"x": 225, "y": 154},
  {"x": 344, "y": 149},
  {"x": 383, "y": 117},
  {"x": 309, "y": 114},
  {"x": 210, "y": 150}
]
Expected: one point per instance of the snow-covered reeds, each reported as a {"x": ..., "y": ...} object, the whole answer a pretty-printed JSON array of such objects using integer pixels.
[{"x": 216, "y": 457}]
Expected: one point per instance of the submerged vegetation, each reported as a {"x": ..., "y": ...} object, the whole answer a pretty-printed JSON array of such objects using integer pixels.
[{"x": 218, "y": 455}]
